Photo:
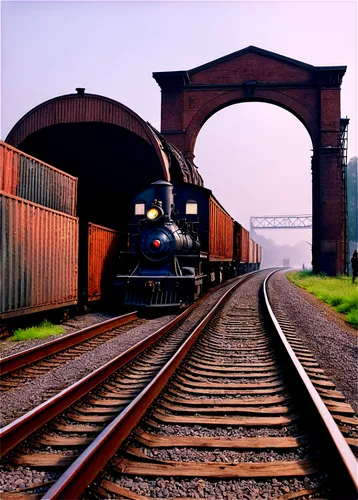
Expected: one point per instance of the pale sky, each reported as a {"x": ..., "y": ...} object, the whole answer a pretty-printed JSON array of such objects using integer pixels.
[{"x": 255, "y": 157}]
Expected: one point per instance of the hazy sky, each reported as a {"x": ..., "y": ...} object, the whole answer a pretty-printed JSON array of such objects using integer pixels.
[{"x": 254, "y": 156}]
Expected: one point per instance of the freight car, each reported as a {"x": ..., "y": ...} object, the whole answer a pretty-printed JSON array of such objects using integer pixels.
[
  {"x": 38, "y": 258},
  {"x": 180, "y": 244},
  {"x": 48, "y": 258}
]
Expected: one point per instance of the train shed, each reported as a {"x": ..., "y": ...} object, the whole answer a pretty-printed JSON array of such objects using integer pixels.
[{"x": 113, "y": 152}]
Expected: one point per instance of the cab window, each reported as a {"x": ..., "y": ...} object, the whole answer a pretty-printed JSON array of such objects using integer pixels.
[
  {"x": 139, "y": 208},
  {"x": 191, "y": 207}
]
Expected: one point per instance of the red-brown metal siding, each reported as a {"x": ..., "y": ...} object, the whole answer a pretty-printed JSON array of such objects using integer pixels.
[
  {"x": 38, "y": 257},
  {"x": 24, "y": 176},
  {"x": 221, "y": 232},
  {"x": 251, "y": 251},
  {"x": 103, "y": 246},
  {"x": 241, "y": 243},
  {"x": 244, "y": 242}
]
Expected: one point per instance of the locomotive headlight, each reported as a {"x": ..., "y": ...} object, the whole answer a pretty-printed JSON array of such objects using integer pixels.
[{"x": 153, "y": 213}]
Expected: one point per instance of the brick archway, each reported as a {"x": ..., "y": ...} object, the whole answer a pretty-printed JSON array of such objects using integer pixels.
[
  {"x": 236, "y": 97},
  {"x": 311, "y": 93}
]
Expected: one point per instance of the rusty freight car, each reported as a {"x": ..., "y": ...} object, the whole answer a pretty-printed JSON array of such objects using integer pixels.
[
  {"x": 241, "y": 247},
  {"x": 103, "y": 245},
  {"x": 33, "y": 180},
  {"x": 221, "y": 232},
  {"x": 38, "y": 256}
]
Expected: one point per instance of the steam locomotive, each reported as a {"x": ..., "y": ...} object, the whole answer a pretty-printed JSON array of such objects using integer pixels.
[{"x": 180, "y": 247}]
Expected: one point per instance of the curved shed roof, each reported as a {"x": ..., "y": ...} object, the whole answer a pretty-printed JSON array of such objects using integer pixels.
[{"x": 84, "y": 108}]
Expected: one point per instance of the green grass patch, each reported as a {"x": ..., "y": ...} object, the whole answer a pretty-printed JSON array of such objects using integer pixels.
[
  {"x": 339, "y": 292},
  {"x": 43, "y": 330}
]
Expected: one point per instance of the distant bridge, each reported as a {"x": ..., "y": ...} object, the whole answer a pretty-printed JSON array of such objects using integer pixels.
[{"x": 281, "y": 222}]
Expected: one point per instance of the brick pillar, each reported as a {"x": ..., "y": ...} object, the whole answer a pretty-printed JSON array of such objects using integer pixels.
[
  {"x": 327, "y": 179},
  {"x": 327, "y": 212},
  {"x": 316, "y": 213},
  {"x": 172, "y": 108}
]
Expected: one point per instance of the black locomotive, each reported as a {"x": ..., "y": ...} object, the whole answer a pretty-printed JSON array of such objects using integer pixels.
[
  {"x": 179, "y": 244},
  {"x": 168, "y": 248}
]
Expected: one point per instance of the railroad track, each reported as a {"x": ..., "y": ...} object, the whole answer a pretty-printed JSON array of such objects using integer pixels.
[
  {"x": 239, "y": 418},
  {"x": 120, "y": 381},
  {"x": 341, "y": 411},
  {"x": 32, "y": 363}
]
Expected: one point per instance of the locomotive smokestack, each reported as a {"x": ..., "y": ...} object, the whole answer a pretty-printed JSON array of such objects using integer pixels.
[{"x": 163, "y": 191}]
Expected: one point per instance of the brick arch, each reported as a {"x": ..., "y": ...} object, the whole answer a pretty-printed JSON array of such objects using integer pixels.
[
  {"x": 265, "y": 96},
  {"x": 84, "y": 108},
  {"x": 311, "y": 93}
]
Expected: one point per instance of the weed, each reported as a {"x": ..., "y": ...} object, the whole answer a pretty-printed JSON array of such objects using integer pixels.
[{"x": 44, "y": 329}]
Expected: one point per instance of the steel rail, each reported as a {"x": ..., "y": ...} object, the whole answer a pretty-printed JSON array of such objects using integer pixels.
[
  {"x": 85, "y": 468},
  {"x": 24, "y": 358},
  {"x": 18, "y": 430},
  {"x": 339, "y": 443}
]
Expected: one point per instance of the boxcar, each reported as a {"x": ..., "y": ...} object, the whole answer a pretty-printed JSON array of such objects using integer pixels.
[
  {"x": 38, "y": 256},
  {"x": 103, "y": 244},
  {"x": 29, "y": 178}
]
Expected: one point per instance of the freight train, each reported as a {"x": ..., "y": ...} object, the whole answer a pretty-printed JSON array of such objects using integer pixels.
[
  {"x": 181, "y": 242},
  {"x": 50, "y": 259}
]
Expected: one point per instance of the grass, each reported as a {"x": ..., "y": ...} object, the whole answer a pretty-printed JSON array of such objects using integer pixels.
[
  {"x": 340, "y": 293},
  {"x": 43, "y": 330}
]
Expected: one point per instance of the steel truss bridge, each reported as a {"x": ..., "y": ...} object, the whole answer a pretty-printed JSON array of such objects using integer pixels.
[{"x": 281, "y": 222}]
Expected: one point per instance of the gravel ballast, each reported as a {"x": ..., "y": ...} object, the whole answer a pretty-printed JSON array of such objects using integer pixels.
[
  {"x": 334, "y": 344},
  {"x": 227, "y": 432},
  {"x": 23, "y": 477},
  {"x": 222, "y": 455},
  {"x": 245, "y": 489}
]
